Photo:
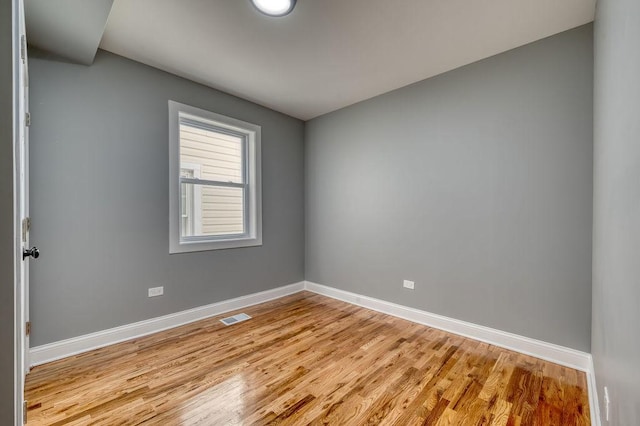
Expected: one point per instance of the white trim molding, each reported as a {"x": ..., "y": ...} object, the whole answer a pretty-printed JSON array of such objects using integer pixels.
[
  {"x": 537, "y": 348},
  {"x": 548, "y": 351},
  {"x": 593, "y": 395},
  {"x": 76, "y": 345}
]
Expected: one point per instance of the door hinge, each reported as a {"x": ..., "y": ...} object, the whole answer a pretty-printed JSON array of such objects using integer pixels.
[
  {"x": 26, "y": 226},
  {"x": 28, "y": 328},
  {"x": 27, "y": 119},
  {"x": 23, "y": 48},
  {"x": 24, "y": 412}
]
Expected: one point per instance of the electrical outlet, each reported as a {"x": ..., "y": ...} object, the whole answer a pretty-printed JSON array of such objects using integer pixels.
[
  {"x": 156, "y": 291},
  {"x": 607, "y": 402},
  {"x": 408, "y": 284}
]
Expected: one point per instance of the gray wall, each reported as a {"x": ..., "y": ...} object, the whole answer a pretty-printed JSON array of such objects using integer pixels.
[
  {"x": 100, "y": 203},
  {"x": 476, "y": 184},
  {"x": 616, "y": 220},
  {"x": 6, "y": 218}
]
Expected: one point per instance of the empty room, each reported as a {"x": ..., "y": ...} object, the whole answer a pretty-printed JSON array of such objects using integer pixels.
[{"x": 343, "y": 212}]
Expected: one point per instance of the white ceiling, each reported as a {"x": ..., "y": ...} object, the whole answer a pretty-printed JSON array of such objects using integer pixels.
[{"x": 328, "y": 53}]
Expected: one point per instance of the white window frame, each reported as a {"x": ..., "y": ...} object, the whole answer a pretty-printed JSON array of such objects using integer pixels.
[{"x": 253, "y": 193}]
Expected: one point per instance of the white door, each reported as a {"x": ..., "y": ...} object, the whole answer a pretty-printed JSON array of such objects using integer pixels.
[
  {"x": 23, "y": 193},
  {"x": 24, "y": 251}
]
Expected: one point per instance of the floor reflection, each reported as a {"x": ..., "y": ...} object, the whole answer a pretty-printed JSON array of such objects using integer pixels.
[{"x": 222, "y": 404}]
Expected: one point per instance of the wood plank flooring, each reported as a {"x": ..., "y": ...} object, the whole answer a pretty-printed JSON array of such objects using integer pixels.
[{"x": 305, "y": 359}]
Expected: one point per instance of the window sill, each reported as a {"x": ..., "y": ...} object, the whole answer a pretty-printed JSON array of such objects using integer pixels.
[{"x": 193, "y": 246}]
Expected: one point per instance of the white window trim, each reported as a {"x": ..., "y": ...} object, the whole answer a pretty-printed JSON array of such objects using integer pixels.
[{"x": 254, "y": 196}]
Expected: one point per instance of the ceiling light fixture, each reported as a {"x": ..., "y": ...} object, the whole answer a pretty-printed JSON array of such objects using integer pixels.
[{"x": 274, "y": 7}]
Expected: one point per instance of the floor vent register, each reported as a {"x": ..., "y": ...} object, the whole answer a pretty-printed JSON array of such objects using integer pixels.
[{"x": 235, "y": 319}]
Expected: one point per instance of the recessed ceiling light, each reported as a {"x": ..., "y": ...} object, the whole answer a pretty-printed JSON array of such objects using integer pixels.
[{"x": 274, "y": 7}]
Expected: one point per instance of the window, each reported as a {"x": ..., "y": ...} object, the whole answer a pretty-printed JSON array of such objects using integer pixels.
[{"x": 214, "y": 184}]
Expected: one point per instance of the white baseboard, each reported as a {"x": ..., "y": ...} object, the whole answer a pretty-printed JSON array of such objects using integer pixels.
[
  {"x": 548, "y": 351},
  {"x": 593, "y": 394},
  {"x": 537, "y": 348},
  {"x": 558, "y": 354},
  {"x": 64, "y": 348}
]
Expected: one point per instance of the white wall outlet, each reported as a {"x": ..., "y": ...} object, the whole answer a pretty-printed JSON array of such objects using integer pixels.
[
  {"x": 408, "y": 284},
  {"x": 156, "y": 291},
  {"x": 607, "y": 402}
]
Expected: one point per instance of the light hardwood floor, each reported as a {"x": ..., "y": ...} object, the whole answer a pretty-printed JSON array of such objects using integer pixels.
[{"x": 305, "y": 359}]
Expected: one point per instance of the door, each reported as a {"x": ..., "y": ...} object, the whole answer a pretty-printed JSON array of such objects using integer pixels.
[
  {"x": 23, "y": 186},
  {"x": 24, "y": 253}
]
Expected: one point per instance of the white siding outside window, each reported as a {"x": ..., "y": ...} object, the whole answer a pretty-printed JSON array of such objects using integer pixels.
[{"x": 215, "y": 199}]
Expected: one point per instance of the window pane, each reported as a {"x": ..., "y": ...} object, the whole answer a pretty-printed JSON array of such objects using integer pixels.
[
  {"x": 218, "y": 155},
  {"x": 186, "y": 210},
  {"x": 212, "y": 210}
]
